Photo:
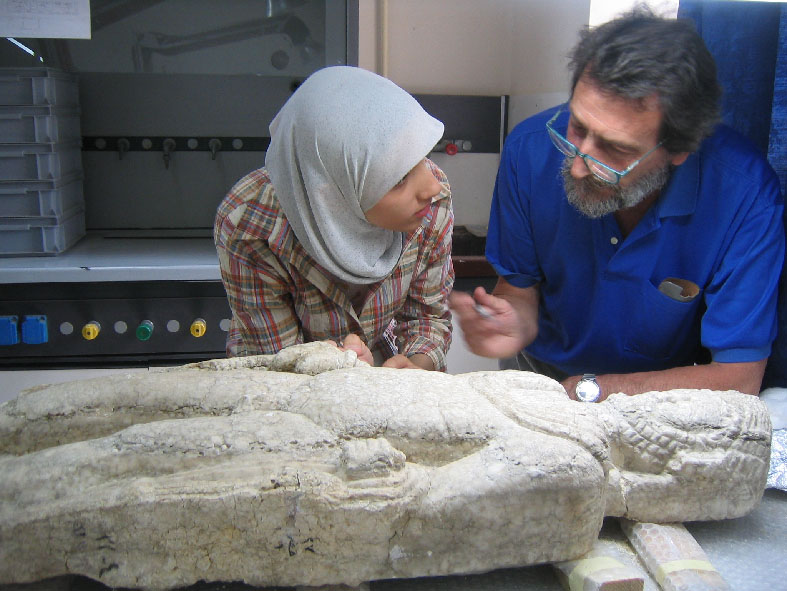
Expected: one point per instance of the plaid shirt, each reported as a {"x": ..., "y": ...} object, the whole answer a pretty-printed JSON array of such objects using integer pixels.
[{"x": 280, "y": 296}]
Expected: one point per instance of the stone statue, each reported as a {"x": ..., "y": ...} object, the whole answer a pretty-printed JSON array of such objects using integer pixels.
[{"x": 311, "y": 468}]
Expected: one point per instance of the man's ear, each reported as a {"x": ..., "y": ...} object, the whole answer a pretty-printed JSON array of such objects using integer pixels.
[{"x": 679, "y": 158}]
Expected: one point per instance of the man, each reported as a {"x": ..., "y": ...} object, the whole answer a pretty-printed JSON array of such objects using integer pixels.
[{"x": 631, "y": 232}]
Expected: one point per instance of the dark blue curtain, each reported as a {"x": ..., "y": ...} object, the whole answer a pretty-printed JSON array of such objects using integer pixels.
[
  {"x": 777, "y": 149},
  {"x": 749, "y": 42}
]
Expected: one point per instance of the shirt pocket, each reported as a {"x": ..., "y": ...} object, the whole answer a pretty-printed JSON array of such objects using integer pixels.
[{"x": 660, "y": 326}]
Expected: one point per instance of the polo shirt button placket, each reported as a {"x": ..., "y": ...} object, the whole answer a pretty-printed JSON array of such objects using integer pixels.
[{"x": 614, "y": 241}]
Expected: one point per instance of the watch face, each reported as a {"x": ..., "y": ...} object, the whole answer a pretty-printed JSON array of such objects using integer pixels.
[{"x": 588, "y": 390}]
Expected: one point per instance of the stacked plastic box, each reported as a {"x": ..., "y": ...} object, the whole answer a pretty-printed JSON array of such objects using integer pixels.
[{"x": 42, "y": 205}]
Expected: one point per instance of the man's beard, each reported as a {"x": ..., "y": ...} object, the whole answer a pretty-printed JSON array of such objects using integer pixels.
[{"x": 595, "y": 198}]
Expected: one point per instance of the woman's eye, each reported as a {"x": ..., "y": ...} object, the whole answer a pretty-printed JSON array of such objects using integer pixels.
[{"x": 401, "y": 182}]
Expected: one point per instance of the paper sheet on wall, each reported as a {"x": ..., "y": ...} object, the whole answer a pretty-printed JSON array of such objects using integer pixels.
[{"x": 65, "y": 19}]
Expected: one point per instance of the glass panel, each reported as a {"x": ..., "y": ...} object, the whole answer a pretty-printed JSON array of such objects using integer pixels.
[
  {"x": 204, "y": 37},
  {"x": 262, "y": 37},
  {"x": 205, "y": 76}
]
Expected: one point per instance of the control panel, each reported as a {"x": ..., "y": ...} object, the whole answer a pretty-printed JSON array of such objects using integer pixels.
[{"x": 116, "y": 322}]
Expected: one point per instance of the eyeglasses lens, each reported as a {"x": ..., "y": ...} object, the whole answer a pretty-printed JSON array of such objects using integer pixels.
[
  {"x": 601, "y": 172},
  {"x": 562, "y": 144},
  {"x": 571, "y": 151}
]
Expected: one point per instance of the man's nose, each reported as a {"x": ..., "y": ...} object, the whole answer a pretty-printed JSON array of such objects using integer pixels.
[{"x": 579, "y": 169}]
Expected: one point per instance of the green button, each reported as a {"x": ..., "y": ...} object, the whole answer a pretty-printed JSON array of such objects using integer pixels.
[{"x": 145, "y": 330}]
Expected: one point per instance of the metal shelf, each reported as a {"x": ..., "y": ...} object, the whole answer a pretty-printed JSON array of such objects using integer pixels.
[{"x": 131, "y": 256}]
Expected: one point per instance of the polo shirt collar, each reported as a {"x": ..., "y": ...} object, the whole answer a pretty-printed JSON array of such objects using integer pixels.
[{"x": 680, "y": 197}]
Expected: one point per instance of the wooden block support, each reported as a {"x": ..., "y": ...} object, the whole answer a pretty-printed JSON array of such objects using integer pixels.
[
  {"x": 598, "y": 570},
  {"x": 673, "y": 557}
]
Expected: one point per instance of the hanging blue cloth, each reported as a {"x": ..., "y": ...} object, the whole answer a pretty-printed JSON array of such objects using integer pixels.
[
  {"x": 748, "y": 40},
  {"x": 744, "y": 40},
  {"x": 776, "y": 373},
  {"x": 777, "y": 150}
]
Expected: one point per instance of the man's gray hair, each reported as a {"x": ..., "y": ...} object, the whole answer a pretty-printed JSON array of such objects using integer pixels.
[{"x": 640, "y": 54}]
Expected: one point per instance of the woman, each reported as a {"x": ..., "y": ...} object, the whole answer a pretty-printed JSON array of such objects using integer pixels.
[{"x": 345, "y": 235}]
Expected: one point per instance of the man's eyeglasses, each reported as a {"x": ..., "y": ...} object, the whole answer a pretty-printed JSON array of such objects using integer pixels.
[{"x": 600, "y": 170}]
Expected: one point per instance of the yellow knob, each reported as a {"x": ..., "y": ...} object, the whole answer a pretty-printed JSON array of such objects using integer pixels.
[
  {"x": 198, "y": 327},
  {"x": 90, "y": 330}
]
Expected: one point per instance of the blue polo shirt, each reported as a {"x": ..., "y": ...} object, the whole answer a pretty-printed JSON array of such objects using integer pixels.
[{"x": 718, "y": 224}]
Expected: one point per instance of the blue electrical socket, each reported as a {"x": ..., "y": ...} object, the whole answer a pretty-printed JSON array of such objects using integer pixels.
[
  {"x": 34, "y": 330},
  {"x": 9, "y": 330}
]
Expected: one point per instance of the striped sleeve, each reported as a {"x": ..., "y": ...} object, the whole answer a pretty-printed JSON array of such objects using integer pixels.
[{"x": 258, "y": 289}]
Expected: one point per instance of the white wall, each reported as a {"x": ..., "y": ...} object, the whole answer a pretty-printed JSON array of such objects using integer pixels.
[
  {"x": 513, "y": 47},
  {"x": 603, "y": 10},
  {"x": 493, "y": 47}
]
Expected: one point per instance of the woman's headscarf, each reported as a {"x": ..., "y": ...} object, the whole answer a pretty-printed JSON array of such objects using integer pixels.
[{"x": 338, "y": 145}]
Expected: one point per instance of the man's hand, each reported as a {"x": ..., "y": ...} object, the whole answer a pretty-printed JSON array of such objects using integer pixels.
[{"x": 497, "y": 327}]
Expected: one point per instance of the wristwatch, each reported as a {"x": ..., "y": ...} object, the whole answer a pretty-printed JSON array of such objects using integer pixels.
[{"x": 587, "y": 389}]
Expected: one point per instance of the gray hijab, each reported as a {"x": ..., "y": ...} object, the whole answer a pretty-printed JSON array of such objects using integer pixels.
[{"x": 338, "y": 145}]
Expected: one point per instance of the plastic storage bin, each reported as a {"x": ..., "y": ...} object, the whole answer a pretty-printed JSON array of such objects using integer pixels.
[
  {"x": 42, "y": 206},
  {"x": 39, "y": 237},
  {"x": 34, "y": 162},
  {"x": 16, "y": 223},
  {"x": 42, "y": 124},
  {"x": 41, "y": 198},
  {"x": 38, "y": 86}
]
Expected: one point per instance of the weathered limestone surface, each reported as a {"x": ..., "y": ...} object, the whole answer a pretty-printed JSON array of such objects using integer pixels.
[{"x": 242, "y": 470}]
